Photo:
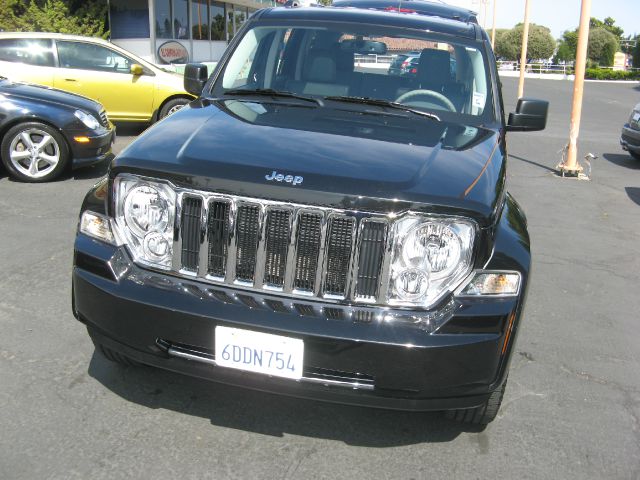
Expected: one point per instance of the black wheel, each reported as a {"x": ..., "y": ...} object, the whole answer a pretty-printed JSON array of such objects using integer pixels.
[
  {"x": 34, "y": 152},
  {"x": 172, "y": 106},
  {"x": 116, "y": 357},
  {"x": 635, "y": 155},
  {"x": 482, "y": 415}
]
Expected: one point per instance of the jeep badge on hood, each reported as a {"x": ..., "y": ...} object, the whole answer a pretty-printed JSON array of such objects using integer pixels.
[{"x": 279, "y": 177}]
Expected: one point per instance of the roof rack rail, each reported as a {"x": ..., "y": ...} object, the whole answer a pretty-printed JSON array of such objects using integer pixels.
[{"x": 420, "y": 7}]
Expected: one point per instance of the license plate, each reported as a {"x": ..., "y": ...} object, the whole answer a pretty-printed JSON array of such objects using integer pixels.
[{"x": 259, "y": 352}]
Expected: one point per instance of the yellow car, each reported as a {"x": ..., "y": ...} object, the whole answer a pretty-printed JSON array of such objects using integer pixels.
[{"x": 130, "y": 88}]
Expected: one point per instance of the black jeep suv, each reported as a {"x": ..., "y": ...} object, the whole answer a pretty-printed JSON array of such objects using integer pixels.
[{"x": 314, "y": 226}]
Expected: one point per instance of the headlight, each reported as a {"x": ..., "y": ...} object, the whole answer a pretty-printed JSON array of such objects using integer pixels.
[
  {"x": 89, "y": 120},
  {"x": 144, "y": 216},
  {"x": 431, "y": 257}
]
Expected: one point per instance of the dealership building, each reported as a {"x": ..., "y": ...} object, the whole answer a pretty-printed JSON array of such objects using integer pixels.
[{"x": 178, "y": 31}]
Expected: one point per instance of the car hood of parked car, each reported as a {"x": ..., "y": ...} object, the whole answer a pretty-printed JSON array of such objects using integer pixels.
[
  {"x": 47, "y": 94},
  {"x": 346, "y": 157}
]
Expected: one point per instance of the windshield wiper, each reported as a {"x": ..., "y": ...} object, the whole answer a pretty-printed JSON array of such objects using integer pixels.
[
  {"x": 269, "y": 92},
  {"x": 383, "y": 103}
]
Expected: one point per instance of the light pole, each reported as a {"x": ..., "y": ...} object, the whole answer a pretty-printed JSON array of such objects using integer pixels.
[
  {"x": 493, "y": 28},
  {"x": 525, "y": 45},
  {"x": 570, "y": 164}
]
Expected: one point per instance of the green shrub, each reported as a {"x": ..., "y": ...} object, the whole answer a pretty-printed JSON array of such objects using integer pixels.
[{"x": 605, "y": 74}]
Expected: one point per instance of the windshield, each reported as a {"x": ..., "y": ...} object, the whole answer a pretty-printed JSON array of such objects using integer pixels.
[{"x": 415, "y": 69}]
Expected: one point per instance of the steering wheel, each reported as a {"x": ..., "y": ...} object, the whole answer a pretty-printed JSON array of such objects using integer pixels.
[{"x": 433, "y": 95}]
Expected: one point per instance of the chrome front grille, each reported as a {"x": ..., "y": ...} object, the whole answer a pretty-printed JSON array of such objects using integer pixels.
[
  {"x": 104, "y": 120},
  {"x": 336, "y": 255}
]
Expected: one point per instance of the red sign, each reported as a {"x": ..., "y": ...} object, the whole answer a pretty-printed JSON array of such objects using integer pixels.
[{"x": 173, "y": 52}]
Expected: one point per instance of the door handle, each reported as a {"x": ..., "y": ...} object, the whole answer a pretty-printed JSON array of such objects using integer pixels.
[{"x": 70, "y": 80}]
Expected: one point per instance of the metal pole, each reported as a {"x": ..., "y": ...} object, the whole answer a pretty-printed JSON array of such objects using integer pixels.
[
  {"x": 484, "y": 18},
  {"x": 571, "y": 164},
  {"x": 525, "y": 45},
  {"x": 493, "y": 29}
]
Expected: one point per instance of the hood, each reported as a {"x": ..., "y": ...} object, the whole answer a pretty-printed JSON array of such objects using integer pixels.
[
  {"x": 40, "y": 93},
  {"x": 353, "y": 159}
]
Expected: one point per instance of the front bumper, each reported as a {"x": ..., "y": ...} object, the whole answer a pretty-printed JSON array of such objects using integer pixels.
[
  {"x": 353, "y": 355},
  {"x": 96, "y": 150},
  {"x": 630, "y": 139}
]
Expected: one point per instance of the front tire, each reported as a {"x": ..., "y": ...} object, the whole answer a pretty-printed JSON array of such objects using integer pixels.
[
  {"x": 34, "y": 152},
  {"x": 482, "y": 415},
  {"x": 172, "y": 106},
  {"x": 635, "y": 155}
]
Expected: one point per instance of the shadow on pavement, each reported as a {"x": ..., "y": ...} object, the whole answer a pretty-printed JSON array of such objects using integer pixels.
[
  {"x": 95, "y": 171},
  {"x": 127, "y": 129},
  {"x": 269, "y": 414},
  {"x": 623, "y": 160},
  {"x": 544, "y": 167},
  {"x": 634, "y": 194}
]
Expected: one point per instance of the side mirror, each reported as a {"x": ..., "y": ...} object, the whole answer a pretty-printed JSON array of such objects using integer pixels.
[
  {"x": 530, "y": 115},
  {"x": 136, "y": 69},
  {"x": 195, "y": 76}
]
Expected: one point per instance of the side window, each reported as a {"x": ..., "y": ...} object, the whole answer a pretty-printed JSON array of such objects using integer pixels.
[
  {"x": 87, "y": 56},
  {"x": 36, "y": 51}
]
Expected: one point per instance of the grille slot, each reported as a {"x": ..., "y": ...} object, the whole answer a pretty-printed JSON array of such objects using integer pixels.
[
  {"x": 247, "y": 247},
  {"x": 191, "y": 208},
  {"x": 218, "y": 236},
  {"x": 308, "y": 249},
  {"x": 104, "y": 120},
  {"x": 277, "y": 244},
  {"x": 339, "y": 246},
  {"x": 370, "y": 260}
]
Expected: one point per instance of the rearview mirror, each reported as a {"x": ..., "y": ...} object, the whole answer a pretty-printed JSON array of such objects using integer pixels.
[
  {"x": 530, "y": 115},
  {"x": 136, "y": 69},
  {"x": 195, "y": 77},
  {"x": 364, "y": 47}
]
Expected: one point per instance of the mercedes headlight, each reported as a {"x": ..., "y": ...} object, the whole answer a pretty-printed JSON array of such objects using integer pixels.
[
  {"x": 144, "y": 216},
  {"x": 431, "y": 257},
  {"x": 89, "y": 120}
]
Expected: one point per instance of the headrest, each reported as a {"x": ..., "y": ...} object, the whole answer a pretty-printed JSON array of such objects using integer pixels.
[
  {"x": 320, "y": 66},
  {"x": 435, "y": 67}
]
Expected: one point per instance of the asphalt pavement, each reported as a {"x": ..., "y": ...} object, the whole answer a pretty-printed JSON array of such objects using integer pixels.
[{"x": 572, "y": 405}]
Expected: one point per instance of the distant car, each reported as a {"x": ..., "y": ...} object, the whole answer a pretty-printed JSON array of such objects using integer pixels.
[
  {"x": 130, "y": 88},
  {"x": 630, "y": 139},
  {"x": 43, "y": 131},
  {"x": 403, "y": 64},
  {"x": 407, "y": 65}
]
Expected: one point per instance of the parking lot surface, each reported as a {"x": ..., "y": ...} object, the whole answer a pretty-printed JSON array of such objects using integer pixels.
[{"x": 572, "y": 405}]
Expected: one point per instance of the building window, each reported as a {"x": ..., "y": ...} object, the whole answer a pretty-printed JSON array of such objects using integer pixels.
[
  {"x": 199, "y": 20},
  {"x": 181, "y": 19},
  {"x": 129, "y": 19},
  {"x": 163, "y": 19},
  {"x": 217, "y": 21},
  {"x": 230, "y": 21},
  {"x": 240, "y": 17}
]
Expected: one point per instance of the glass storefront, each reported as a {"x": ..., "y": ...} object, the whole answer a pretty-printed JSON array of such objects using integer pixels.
[
  {"x": 217, "y": 21},
  {"x": 189, "y": 22},
  {"x": 129, "y": 19}
]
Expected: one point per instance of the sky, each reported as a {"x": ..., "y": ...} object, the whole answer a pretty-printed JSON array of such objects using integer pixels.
[{"x": 558, "y": 15}]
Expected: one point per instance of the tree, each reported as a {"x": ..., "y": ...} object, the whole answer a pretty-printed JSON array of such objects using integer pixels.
[
  {"x": 609, "y": 25},
  {"x": 567, "y": 47},
  {"x": 603, "y": 45},
  {"x": 60, "y": 16},
  {"x": 541, "y": 43}
]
